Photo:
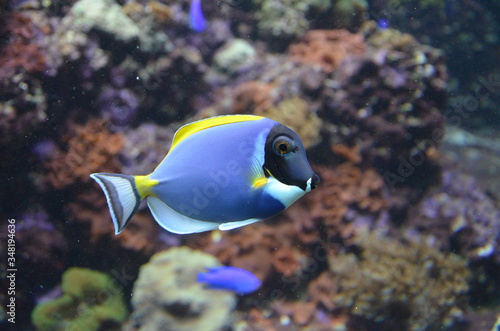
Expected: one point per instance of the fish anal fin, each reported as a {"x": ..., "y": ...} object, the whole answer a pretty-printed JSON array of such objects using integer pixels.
[
  {"x": 238, "y": 224},
  {"x": 175, "y": 222}
]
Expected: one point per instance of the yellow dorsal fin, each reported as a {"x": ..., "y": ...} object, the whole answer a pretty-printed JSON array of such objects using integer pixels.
[{"x": 191, "y": 128}]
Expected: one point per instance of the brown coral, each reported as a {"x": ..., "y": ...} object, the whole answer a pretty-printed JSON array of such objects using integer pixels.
[
  {"x": 327, "y": 48},
  {"x": 89, "y": 207},
  {"x": 21, "y": 50},
  {"x": 390, "y": 279},
  {"x": 351, "y": 154},
  {"x": 89, "y": 148},
  {"x": 322, "y": 290},
  {"x": 252, "y": 97}
]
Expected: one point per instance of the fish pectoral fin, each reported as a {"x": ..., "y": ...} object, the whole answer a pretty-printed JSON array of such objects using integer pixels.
[
  {"x": 256, "y": 175},
  {"x": 234, "y": 225},
  {"x": 174, "y": 221},
  {"x": 121, "y": 195}
]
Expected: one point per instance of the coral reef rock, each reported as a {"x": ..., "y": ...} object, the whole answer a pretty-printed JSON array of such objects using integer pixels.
[
  {"x": 167, "y": 296},
  {"x": 285, "y": 18},
  {"x": 406, "y": 282},
  {"x": 461, "y": 216},
  {"x": 327, "y": 48},
  {"x": 389, "y": 103}
]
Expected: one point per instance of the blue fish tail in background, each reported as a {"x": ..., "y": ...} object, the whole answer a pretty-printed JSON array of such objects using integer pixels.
[
  {"x": 232, "y": 279},
  {"x": 196, "y": 19}
]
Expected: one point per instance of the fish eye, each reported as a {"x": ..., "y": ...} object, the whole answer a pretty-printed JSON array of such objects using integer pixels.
[{"x": 283, "y": 145}]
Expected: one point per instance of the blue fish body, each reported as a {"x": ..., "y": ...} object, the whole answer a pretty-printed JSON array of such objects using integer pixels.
[
  {"x": 232, "y": 279},
  {"x": 196, "y": 18},
  {"x": 208, "y": 177},
  {"x": 220, "y": 173}
]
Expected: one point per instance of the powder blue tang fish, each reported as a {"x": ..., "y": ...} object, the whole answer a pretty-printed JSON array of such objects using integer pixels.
[
  {"x": 196, "y": 18},
  {"x": 223, "y": 172},
  {"x": 232, "y": 279}
]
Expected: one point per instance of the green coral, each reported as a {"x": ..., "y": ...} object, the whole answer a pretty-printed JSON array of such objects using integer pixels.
[
  {"x": 89, "y": 299},
  {"x": 167, "y": 295},
  {"x": 286, "y": 18},
  {"x": 390, "y": 275}
]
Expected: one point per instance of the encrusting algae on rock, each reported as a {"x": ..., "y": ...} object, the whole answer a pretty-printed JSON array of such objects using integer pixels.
[
  {"x": 167, "y": 296},
  {"x": 408, "y": 283},
  {"x": 90, "y": 298}
]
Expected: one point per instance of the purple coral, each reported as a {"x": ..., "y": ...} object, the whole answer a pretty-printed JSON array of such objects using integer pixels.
[
  {"x": 461, "y": 216},
  {"x": 41, "y": 244},
  {"x": 45, "y": 149},
  {"x": 119, "y": 106}
]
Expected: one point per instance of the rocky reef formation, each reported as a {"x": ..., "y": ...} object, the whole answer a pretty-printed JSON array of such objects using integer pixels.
[
  {"x": 440, "y": 24},
  {"x": 408, "y": 284},
  {"x": 462, "y": 218},
  {"x": 167, "y": 296},
  {"x": 102, "y": 86}
]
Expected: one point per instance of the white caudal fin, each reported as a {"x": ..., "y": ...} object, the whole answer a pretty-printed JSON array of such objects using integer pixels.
[{"x": 121, "y": 195}]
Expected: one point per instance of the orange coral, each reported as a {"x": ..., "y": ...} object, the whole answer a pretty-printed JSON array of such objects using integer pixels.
[
  {"x": 262, "y": 249},
  {"x": 346, "y": 186},
  {"x": 21, "y": 51},
  {"x": 327, "y": 48},
  {"x": 90, "y": 148},
  {"x": 324, "y": 210},
  {"x": 253, "y": 96},
  {"x": 351, "y": 154}
]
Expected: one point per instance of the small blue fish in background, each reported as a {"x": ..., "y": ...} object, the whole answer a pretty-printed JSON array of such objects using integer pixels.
[
  {"x": 196, "y": 19},
  {"x": 383, "y": 23},
  {"x": 232, "y": 279}
]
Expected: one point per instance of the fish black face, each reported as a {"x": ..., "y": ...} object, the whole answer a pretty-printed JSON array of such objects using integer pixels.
[{"x": 286, "y": 159}]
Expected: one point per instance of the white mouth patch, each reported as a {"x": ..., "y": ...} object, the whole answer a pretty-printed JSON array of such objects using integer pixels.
[{"x": 309, "y": 185}]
